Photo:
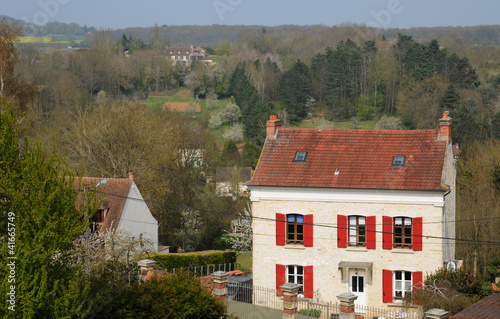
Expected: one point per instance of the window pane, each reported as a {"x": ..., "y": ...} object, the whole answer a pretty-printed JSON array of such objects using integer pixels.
[
  {"x": 407, "y": 275},
  {"x": 352, "y": 231},
  {"x": 398, "y": 285},
  {"x": 300, "y": 219},
  {"x": 361, "y": 284},
  {"x": 300, "y": 280},
  {"x": 362, "y": 239},
  {"x": 362, "y": 221},
  {"x": 300, "y": 237},
  {"x": 399, "y": 294},
  {"x": 291, "y": 278},
  {"x": 407, "y": 286},
  {"x": 352, "y": 220},
  {"x": 291, "y": 218},
  {"x": 300, "y": 270},
  {"x": 407, "y": 231},
  {"x": 398, "y": 275},
  {"x": 354, "y": 284},
  {"x": 352, "y": 240},
  {"x": 398, "y": 221},
  {"x": 300, "y": 229},
  {"x": 291, "y": 270},
  {"x": 361, "y": 231},
  {"x": 407, "y": 221}
]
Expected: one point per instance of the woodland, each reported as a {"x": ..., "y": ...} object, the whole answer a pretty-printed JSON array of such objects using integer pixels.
[{"x": 90, "y": 106}]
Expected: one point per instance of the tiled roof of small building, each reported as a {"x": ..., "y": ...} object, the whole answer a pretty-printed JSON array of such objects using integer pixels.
[
  {"x": 352, "y": 159},
  {"x": 115, "y": 191},
  {"x": 486, "y": 308}
]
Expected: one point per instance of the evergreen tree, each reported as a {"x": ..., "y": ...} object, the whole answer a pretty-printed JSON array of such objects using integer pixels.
[
  {"x": 450, "y": 100},
  {"x": 38, "y": 213},
  {"x": 295, "y": 89}
]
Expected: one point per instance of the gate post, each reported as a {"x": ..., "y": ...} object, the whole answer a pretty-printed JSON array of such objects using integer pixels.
[
  {"x": 219, "y": 289},
  {"x": 290, "y": 292},
  {"x": 145, "y": 266},
  {"x": 436, "y": 313},
  {"x": 347, "y": 305}
]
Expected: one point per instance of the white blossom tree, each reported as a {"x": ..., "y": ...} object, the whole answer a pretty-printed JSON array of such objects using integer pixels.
[{"x": 241, "y": 233}]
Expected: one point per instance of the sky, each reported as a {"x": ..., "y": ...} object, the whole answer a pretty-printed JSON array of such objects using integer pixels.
[{"x": 116, "y": 14}]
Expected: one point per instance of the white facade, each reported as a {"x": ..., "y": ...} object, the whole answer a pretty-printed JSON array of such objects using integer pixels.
[{"x": 137, "y": 221}]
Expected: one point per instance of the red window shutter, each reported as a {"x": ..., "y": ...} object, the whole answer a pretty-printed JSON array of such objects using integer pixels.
[
  {"x": 417, "y": 233},
  {"x": 308, "y": 282},
  {"x": 418, "y": 280},
  {"x": 341, "y": 231},
  {"x": 308, "y": 230},
  {"x": 371, "y": 227},
  {"x": 387, "y": 285},
  {"x": 417, "y": 283},
  {"x": 280, "y": 278},
  {"x": 280, "y": 229},
  {"x": 387, "y": 232}
]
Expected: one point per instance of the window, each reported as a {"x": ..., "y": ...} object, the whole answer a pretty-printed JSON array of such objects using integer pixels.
[
  {"x": 294, "y": 229},
  {"x": 179, "y": 52},
  {"x": 300, "y": 156},
  {"x": 295, "y": 275},
  {"x": 398, "y": 161},
  {"x": 402, "y": 232},
  {"x": 402, "y": 283},
  {"x": 357, "y": 283},
  {"x": 357, "y": 231},
  {"x": 97, "y": 220},
  {"x": 396, "y": 284},
  {"x": 300, "y": 275}
]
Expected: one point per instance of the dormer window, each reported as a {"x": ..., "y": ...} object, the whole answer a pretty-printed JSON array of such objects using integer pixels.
[
  {"x": 398, "y": 161},
  {"x": 300, "y": 156}
]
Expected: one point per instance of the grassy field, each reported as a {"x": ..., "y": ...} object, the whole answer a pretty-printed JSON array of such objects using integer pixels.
[{"x": 245, "y": 261}]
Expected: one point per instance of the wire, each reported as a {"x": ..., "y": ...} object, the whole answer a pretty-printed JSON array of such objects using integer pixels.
[{"x": 312, "y": 224}]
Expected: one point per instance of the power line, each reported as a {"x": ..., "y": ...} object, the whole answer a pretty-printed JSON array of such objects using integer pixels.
[{"x": 333, "y": 226}]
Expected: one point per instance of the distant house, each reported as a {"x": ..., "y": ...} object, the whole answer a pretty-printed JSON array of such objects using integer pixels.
[
  {"x": 122, "y": 209},
  {"x": 228, "y": 178},
  {"x": 185, "y": 55}
]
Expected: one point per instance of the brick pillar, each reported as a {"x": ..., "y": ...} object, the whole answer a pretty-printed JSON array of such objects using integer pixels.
[
  {"x": 347, "y": 305},
  {"x": 436, "y": 313},
  {"x": 219, "y": 289},
  {"x": 145, "y": 266},
  {"x": 290, "y": 292}
]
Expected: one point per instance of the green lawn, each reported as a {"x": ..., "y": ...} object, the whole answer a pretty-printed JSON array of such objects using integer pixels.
[
  {"x": 156, "y": 102},
  {"x": 244, "y": 261}
]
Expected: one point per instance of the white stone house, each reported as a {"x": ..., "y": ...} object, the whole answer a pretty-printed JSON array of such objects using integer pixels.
[
  {"x": 122, "y": 209},
  {"x": 361, "y": 211}
]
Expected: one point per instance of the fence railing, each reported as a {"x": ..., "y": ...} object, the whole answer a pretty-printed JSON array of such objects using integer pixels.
[
  {"x": 311, "y": 308},
  {"x": 205, "y": 270}
]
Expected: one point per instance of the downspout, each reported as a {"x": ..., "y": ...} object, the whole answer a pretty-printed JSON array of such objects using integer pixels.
[{"x": 445, "y": 227}]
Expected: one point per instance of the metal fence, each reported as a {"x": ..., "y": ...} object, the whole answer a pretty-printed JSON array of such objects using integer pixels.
[
  {"x": 206, "y": 270},
  {"x": 248, "y": 301}
]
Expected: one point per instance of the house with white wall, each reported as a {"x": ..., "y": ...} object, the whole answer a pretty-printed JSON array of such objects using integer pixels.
[
  {"x": 122, "y": 209},
  {"x": 369, "y": 212}
]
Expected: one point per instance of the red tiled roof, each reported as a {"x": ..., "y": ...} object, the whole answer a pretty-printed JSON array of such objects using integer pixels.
[
  {"x": 114, "y": 204},
  {"x": 352, "y": 159},
  {"x": 486, "y": 308}
]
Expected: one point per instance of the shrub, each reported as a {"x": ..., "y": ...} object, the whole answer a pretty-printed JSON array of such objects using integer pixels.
[
  {"x": 312, "y": 312},
  {"x": 186, "y": 260}
]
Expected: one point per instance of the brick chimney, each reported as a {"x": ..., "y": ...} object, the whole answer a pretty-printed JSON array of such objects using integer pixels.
[
  {"x": 131, "y": 175},
  {"x": 445, "y": 128},
  {"x": 272, "y": 126}
]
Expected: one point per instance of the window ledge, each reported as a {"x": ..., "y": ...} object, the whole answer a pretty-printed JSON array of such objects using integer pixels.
[
  {"x": 356, "y": 248},
  {"x": 294, "y": 246},
  {"x": 402, "y": 251}
]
